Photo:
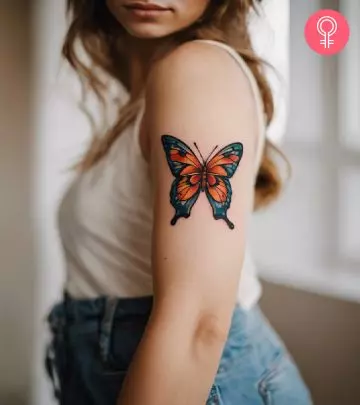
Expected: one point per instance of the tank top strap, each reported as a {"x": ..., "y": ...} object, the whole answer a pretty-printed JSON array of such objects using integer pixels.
[{"x": 255, "y": 90}]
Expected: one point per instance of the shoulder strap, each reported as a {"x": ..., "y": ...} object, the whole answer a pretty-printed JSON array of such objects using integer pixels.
[{"x": 255, "y": 89}]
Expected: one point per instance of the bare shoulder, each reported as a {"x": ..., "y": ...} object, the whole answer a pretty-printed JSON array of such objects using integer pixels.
[
  {"x": 199, "y": 66},
  {"x": 199, "y": 92}
]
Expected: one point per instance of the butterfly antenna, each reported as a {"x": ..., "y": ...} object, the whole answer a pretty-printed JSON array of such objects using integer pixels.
[
  {"x": 211, "y": 153},
  {"x": 202, "y": 157}
]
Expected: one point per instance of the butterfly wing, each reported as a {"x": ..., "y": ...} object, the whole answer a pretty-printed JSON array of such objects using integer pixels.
[
  {"x": 186, "y": 169},
  {"x": 219, "y": 170},
  {"x": 226, "y": 161},
  {"x": 181, "y": 159},
  {"x": 183, "y": 195}
]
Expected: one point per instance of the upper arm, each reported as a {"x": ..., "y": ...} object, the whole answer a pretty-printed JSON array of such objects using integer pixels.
[{"x": 199, "y": 94}]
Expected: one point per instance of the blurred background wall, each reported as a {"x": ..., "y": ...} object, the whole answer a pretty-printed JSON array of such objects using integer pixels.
[
  {"x": 309, "y": 240},
  {"x": 306, "y": 245},
  {"x": 17, "y": 273}
]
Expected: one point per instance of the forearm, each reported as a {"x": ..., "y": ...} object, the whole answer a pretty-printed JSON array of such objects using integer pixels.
[{"x": 176, "y": 361}]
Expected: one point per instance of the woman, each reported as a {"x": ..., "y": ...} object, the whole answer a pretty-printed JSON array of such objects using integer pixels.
[{"x": 159, "y": 308}]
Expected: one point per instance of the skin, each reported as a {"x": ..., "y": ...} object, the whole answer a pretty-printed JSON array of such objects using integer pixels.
[
  {"x": 146, "y": 35},
  {"x": 198, "y": 94},
  {"x": 179, "y": 15}
]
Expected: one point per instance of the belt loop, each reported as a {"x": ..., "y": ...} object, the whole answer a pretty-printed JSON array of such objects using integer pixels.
[{"x": 106, "y": 327}]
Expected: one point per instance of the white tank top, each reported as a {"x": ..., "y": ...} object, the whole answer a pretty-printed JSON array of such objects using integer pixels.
[{"x": 105, "y": 219}]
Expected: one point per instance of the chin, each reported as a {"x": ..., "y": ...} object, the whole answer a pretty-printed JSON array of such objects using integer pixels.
[{"x": 148, "y": 31}]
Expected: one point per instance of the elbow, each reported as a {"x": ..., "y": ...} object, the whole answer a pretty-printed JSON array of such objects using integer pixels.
[{"x": 211, "y": 333}]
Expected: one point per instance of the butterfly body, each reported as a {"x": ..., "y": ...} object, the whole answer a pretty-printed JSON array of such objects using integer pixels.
[
  {"x": 203, "y": 180},
  {"x": 193, "y": 177}
]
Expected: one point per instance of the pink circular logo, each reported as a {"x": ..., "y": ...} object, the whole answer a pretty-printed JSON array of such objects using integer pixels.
[{"x": 327, "y": 32}]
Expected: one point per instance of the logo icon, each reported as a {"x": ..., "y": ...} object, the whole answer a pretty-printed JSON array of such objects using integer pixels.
[
  {"x": 327, "y": 27},
  {"x": 327, "y": 32}
]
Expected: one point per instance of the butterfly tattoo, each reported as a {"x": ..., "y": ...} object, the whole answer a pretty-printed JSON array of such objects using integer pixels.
[{"x": 193, "y": 176}]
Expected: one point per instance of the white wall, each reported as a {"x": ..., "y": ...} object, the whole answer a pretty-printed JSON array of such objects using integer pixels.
[
  {"x": 59, "y": 132},
  {"x": 270, "y": 34},
  {"x": 350, "y": 77}
]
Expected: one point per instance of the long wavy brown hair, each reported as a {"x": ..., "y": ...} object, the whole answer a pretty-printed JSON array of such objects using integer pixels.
[{"x": 102, "y": 37}]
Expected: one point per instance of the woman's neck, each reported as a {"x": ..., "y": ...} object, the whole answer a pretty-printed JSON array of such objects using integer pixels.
[{"x": 141, "y": 55}]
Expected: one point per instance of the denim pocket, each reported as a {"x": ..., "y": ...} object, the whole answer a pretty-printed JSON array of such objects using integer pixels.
[{"x": 283, "y": 384}]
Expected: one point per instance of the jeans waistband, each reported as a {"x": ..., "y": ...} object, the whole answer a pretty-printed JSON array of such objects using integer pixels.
[
  {"x": 72, "y": 310},
  {"x": 96, "y": 314}
]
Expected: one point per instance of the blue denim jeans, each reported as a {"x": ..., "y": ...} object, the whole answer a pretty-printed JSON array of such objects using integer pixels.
[{"x": 93, "y": 342}]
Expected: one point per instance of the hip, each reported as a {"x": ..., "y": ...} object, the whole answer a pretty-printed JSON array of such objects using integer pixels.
[{"x": 93, "y": 342}]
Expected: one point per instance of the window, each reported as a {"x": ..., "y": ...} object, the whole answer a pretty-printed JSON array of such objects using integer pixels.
[
  {"x": 310, "y": 238},
  {"x": 349, "y": 143}
]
